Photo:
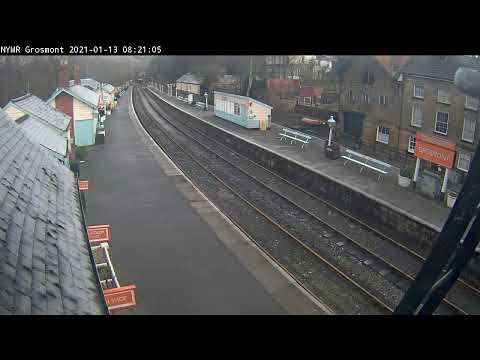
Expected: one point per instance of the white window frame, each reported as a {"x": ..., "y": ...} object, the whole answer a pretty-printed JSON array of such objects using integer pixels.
[
  {"x": 413, "y": 117},
  {"x": 445, "y": 99},
  {"x": 309, "y": 102},
  {"x": 387, "y": 135},
  {"x": 473, "y": 132},
  {"x": 235, "y": 107},
  {"x": 436, "y": 122},
  {"x": 412, "y": 140},
  {"x": 459, "y": 155},
  {"x": 366, "y": 98},
  {"x": 415, "y": 86},
  {"x": 384, "y": 98},
  {"x": 469, "y": 106}
]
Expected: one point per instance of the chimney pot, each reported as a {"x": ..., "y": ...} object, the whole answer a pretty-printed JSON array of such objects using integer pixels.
[
  {"x": 63, "y": 76},
  {"x": 76, "y": 75}
]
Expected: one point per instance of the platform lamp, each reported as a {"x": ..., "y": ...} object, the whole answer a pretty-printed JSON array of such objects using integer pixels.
[
  {"x": 331, "y": 124},
  {"x": 206, "y": 101}
]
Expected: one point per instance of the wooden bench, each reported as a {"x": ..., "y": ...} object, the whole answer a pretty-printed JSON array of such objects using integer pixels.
[
  {"x": 295, "y": 136},
  {"x": 368, "y": 162}
]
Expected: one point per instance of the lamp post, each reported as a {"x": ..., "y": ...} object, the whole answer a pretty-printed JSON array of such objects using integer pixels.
[
  {"x": 206, "y": 101},
  {"x": 331, "y": 124}
]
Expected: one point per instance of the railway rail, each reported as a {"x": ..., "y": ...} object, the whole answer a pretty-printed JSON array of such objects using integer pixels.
[
  {"x": 407, "y": 260},
  {"x": 322, "y": 230}
]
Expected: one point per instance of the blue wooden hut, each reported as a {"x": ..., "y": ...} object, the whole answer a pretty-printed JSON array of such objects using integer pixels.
[{"x": 242, "y": 110}]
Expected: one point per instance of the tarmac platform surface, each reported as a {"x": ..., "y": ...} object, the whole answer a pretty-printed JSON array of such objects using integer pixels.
[
  {"x": 427, "y": 211},
  {"x": 183, "y": 256}
]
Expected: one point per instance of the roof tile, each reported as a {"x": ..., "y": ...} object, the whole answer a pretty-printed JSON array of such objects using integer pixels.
[
  {"x": 39, "y": 108},
  {"x": 45, "y": 265}
]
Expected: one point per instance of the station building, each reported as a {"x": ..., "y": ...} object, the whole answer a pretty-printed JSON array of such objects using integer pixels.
[
  {"x": 433, "y": 105},
  {"x": 242, "y": 110},
  {"x": 191, "y": 84},
  {"x": 108, "y": 93},
  {"x": 81, "y": 104}
]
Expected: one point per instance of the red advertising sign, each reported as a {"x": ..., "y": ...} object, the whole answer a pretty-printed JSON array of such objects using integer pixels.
[
  {"x": 83, "y": 185},
  {"x": 120, "y": 298},
  {"x": 435, "y": 149},
  {"x": 98, "y": 233}
]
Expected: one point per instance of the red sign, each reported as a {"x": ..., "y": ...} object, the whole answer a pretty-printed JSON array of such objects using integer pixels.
[
  {"x": 98, "y": 233},
  {"x": 83, "y": 185},
  {"x": 120, "y": 298},
  {"x": 435, "y": 149}
]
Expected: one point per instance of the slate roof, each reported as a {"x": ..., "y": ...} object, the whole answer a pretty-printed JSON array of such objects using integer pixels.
[
  {"x": 45, "y": 263},
  {"x": 40, "y": 133},
  {"x": 94, "y": 84},
  {"x": 243, "y": 98},
  {"x": 190, "y": 78},
  {"x": 433, "y": 66},
  {"x": 35, "y": 106},
  {"x": 108, "y": 88},
  {"x": 79, "y": 92},
  {"x": 88, "y": 95}
]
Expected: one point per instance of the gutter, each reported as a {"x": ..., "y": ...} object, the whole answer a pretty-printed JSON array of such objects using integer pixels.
[
  {"x": 428, "y": 77},
  {"x": 90, "y": 253}
]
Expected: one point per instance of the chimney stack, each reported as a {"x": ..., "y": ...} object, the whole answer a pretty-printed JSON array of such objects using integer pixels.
[
  {"x": 76, "y": 75},
  {"x": 63, "y": 76}
]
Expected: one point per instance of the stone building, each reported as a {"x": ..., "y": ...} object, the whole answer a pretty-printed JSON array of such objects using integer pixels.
[{"x": 433, "y": 105}]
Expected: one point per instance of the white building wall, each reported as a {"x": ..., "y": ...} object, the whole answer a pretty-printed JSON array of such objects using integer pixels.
[{"x": 81, "y": 111}]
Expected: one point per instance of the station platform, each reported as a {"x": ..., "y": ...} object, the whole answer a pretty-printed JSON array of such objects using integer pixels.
[
  {"x": 182, "y": 254},
  {"x": 429, "y": 212}
]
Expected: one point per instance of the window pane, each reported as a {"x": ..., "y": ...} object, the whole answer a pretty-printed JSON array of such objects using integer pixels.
[
  {"x": 443, "y": 96},
  {"x": 441, "y": 125},
  {"x": 463, "y": 162},
  {"x": 412, "y": 141},
  {"x": 418, "y": 91},
  {"x": 468, "y": 133},
  {"x": 471, "y": 102},
  {"x": 237, "y": 109},
  {"x": 417, "y": 115},
  {"x": 383, "y": 134}
]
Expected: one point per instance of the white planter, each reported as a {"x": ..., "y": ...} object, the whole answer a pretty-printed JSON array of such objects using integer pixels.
[
  {"x": 451, "y": 200},
  {"x": 404, "y": 181}
]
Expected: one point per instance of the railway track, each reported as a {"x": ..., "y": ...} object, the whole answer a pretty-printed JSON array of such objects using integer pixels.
[
  {"x": 405, "y": 260},
  {"x": 372, "y": 273},
  {"x": 283, "y": 248}
]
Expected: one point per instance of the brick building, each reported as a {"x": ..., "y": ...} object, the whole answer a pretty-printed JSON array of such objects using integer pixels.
[{"x": 433, "y": 105}]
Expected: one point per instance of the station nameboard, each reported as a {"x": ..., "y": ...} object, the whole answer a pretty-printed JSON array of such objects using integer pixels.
[
  {"x": 435, "y": 149},
  {"x": 98, "y": 233},
  {"x": 83, "y": 185},
  {"x": 120, "y": 298}
]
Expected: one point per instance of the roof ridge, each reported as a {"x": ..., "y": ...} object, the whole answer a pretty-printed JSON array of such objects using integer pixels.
[{"x": 21, "y": 97}]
